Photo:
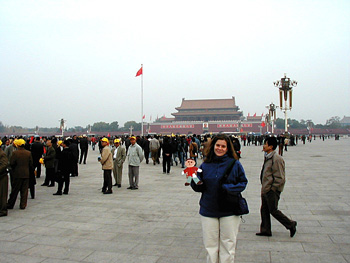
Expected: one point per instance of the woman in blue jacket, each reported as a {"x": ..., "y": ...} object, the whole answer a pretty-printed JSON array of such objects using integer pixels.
[{"x": 220, "y": 223}]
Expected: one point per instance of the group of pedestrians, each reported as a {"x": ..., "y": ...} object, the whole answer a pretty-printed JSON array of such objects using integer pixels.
[{"x": 22, "y": 158}]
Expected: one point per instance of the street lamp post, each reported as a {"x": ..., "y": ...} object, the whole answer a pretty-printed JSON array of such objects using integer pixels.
[
  {"x": 62, "y": 122},
  {"x": 285, "y": 86},
  {"x": 267, "y": 122},
  {"x": 272, "y": 116}
]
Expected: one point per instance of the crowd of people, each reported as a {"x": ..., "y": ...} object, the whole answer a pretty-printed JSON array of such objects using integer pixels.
[{"x": 22, "y": 159}]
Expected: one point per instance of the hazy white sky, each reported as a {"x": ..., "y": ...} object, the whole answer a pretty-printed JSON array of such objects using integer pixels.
[{"x": 77, "y": 60}]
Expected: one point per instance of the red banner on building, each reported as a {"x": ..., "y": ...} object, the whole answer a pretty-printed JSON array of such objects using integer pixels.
[
  {"x": 234, "y": 125},
  {"x": 179, "y": 126}
]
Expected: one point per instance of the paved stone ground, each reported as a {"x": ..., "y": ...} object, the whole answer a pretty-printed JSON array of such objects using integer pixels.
[{"x": 160, "y": 221}]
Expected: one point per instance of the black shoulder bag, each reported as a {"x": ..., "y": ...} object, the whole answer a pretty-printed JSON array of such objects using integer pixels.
[{"x": 231, "y": 201}]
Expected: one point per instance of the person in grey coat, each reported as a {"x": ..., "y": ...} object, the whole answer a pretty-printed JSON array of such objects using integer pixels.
[{"x": 135, "y": 157}]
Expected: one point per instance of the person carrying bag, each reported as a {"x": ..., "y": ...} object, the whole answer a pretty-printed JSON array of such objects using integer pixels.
[{"x": 220, "y": 220}]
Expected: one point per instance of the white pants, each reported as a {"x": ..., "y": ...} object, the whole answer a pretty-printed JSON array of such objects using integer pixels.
[{"x": 219, "y": 237}]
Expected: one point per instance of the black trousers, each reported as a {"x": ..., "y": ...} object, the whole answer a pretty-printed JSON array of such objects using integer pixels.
[
  {"x": 166, "y": 163},
  {"x": 269, "y": 205},
  {"x": 63, "y": 179},
  {"x": 49, "y": 178},
  {"x": 83, "y": 153},
  {"x": 75, "y": 168},
  {"x": 37, "y": 166},
  {"x": 146, "y": 153},
  {"x": 19, "y": 185},
  {"x": 4, "y": 184},
  {"x": 107, "y": 180}
]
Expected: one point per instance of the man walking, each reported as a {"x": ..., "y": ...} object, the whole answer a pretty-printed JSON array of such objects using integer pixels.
[
  {"x": 107, "y": 166},
  {"x": 154, "y": 146},
  {"x": 135, "y": 158},
  {"x": 119, "y": 155},
  {"x": 73, "y": 146},
  {"x": 37, "y": 149},
  {"x": 272, "y": 179},
  {"x": 84, "y": 146},
  {"x": 49, "y": 161},
  {"x": 65, "y": 167},
  {"x": 21, "y": 163}
]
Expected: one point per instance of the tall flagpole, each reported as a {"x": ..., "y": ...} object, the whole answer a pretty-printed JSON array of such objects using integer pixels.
[{"x": 142, "y": 101}]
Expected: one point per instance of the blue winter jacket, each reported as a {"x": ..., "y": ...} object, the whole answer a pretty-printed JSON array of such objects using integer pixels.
[{"x": 211, "y": 175}]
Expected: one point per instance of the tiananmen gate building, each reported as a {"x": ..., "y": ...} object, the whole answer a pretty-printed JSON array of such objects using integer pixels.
[{"x": 206, "y": 116}]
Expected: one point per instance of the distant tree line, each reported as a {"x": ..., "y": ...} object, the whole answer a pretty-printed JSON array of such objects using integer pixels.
[
  {"x": 331, "y": 123},
  {"x": 96, "y": 127}
]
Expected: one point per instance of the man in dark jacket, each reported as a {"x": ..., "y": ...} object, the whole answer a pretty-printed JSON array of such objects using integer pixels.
[
  {"x": 49, "y": 161},
  {"x": 37, "y": 150},
  {"x": 75, "y": 155},
  {"x": 65, "y": 166},
  {"x": 145, "y": 147},
  {"x": 167, "y": 152},
  {"x": 21, "y": 163},
  {"x": 84, "y": 146},
  {"x": 3, "y": 182}
]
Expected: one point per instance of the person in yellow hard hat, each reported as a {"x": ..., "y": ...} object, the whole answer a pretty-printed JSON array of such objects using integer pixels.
[
  {"x": 119, "y": 155},
  {"x": 106, "y": 161},
  {"x": 21, "y": 163},
  {"x": 65, "y": 167}
]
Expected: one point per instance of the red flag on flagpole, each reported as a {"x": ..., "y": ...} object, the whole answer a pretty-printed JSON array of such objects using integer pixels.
[
  {"x": 254, "y": 114},
  {"x": 143, "y": 117},
  {"x": 138, "y": 73}
]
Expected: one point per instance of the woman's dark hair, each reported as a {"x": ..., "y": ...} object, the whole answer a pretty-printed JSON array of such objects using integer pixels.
[{"x": 210, "y": 154}]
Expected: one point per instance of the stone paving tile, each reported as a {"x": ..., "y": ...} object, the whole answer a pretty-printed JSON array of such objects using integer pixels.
[
  {"x": 347, "y": 258},
  {"x": 342, "y": 239},
  {"x": 243, "y": 255},
  {"x": 179, "y": 260},
  {"x": 15, "y": 258},
  {"x": 50, "y": 231},
  {"x": 60, "y": 241},
  {"x": 8, "y": 247},
  {"x": 145, "y": 238},
  {"x": 282, "y": 257},
  {"x": 9, "y": 226},
  {"x": 88, "y": 234},
  {"x": 108, "y": 257},
  {"x": 326, "y": 248},
  {"x": 63, "y": 253},
  {"x": 55, "y": 260},
  {"x": 167, "y": 251},
  {"x": 104, "y": 246},
  {"x": 321, "y": 230},
  {"x": 76, "y": 225},
  {"x": 7, "y": 235},
  {"x": 269, "y": 246}
]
